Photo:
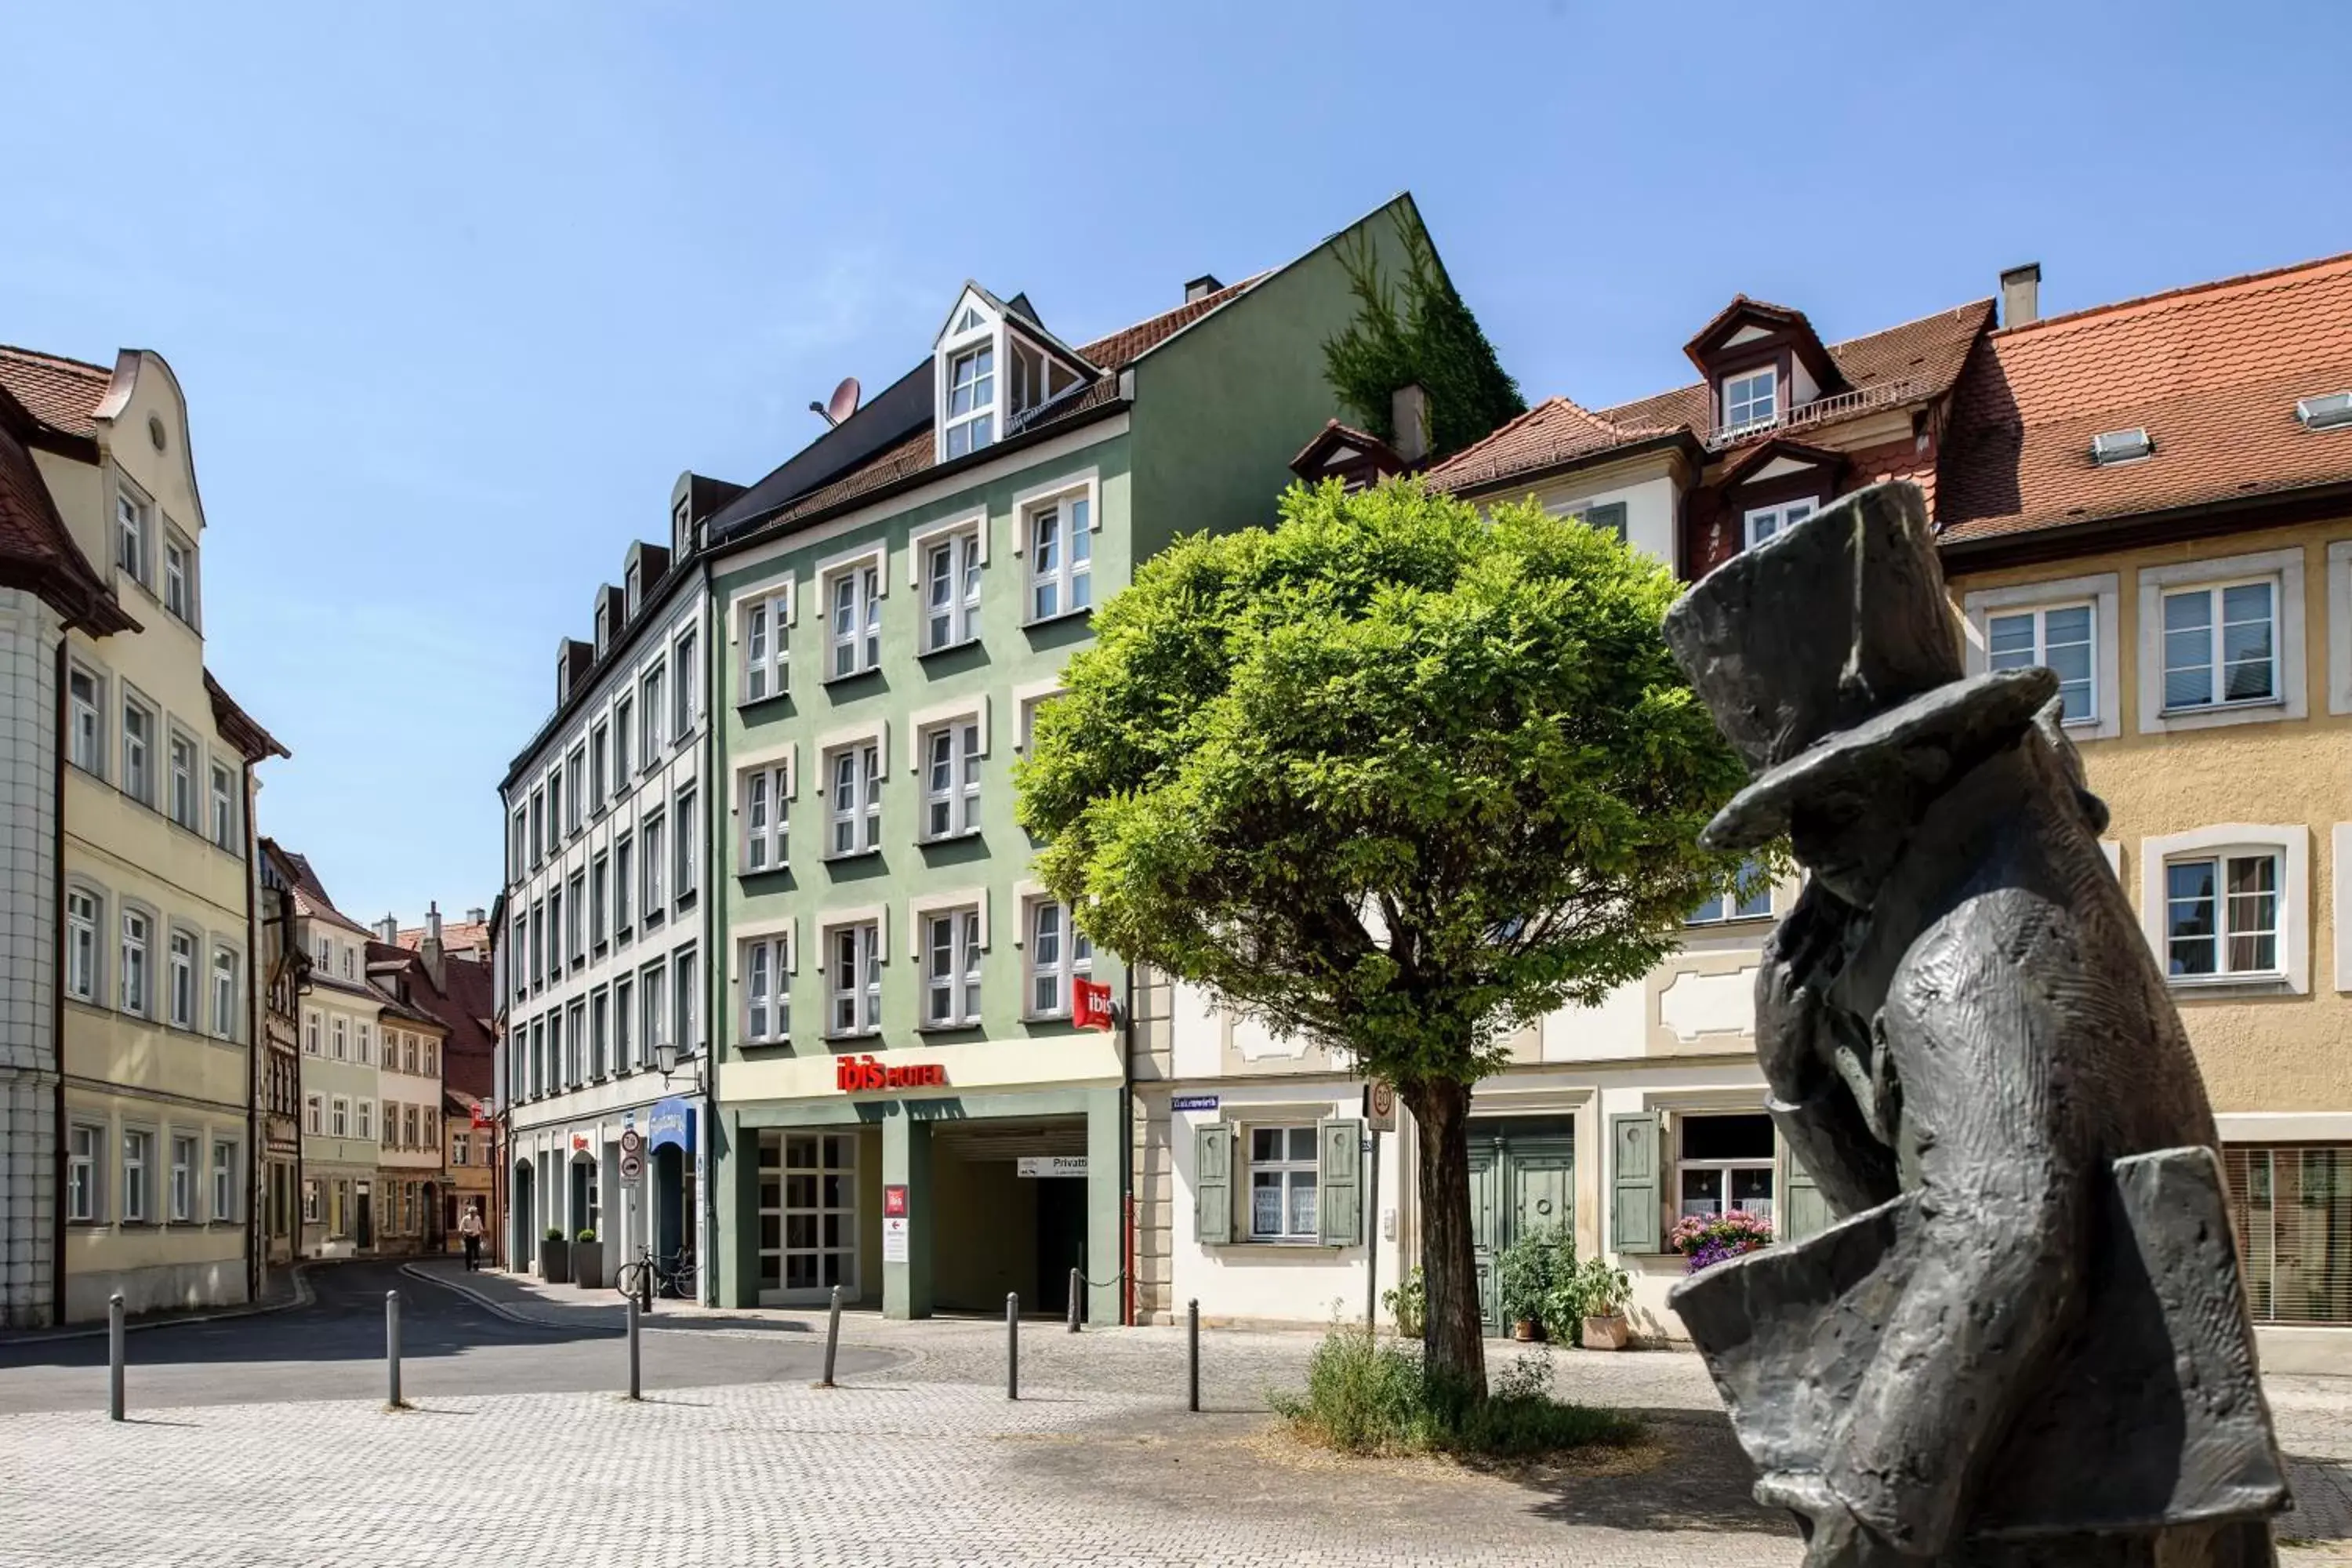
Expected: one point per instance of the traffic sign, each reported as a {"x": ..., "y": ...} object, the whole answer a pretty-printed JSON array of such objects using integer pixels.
[
  {"x": 633, "y": 1143},
  {"x": 1380, "y": 1105},
  {"x": 633, "y": 1166}
]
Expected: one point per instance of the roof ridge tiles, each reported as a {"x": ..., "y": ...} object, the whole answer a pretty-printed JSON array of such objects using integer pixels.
[{"x": 2112, "y": 310}]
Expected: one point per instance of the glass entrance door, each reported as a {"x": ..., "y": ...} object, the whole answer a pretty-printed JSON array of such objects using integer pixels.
[{"x": 808, "y": 1216}]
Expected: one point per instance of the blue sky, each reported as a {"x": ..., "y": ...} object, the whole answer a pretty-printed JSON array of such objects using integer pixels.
[{"x": 457, "y": 291}]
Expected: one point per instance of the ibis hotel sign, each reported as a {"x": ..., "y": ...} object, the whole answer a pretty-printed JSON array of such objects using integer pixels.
[{"x": 853, "y": 1074}]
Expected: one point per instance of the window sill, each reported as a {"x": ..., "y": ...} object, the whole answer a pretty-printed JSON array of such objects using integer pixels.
[
  {"x": 956, "y": 837},
  {"x": 853, "y": 855},
  {"x": 875, "y": 1033},
  {"x": 2255, "y": 705},
  {"x": 1284, "y": 1244},
  {"x": 1729, "y": 920},
  {"x": 1062, "y": 1017},
  {"x": 745, "y": 704},
  {"x": 775, "y": 1045},
  {"x": 954, "y": 1026},
  {"x": 2272, "y": 981},
  {"x": 753, "y": 873},
  {"x": 855, "y": 675},
  {"x": 1082, "y": 611},
  {"x": 971, "y": 641}
]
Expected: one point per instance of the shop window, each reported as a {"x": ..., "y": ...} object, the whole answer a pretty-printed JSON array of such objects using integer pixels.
[
  {"x": 1724, "y": 1163},
  {"x": 2292, "y": 1210},
  {"x": 808, "y": 1212}
]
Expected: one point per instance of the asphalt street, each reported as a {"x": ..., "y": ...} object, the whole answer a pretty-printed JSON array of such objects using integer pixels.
[{"x": 333, "y": 1349}]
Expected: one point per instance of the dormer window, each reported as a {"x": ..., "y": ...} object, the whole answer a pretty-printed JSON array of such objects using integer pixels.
[
  {"x": 636, "y": 590},
  {"x": 682, "y": 528},
  {"x": 1751, "y": 398},
  {"x": 971, "y": 422},
  {"x": 603, "y": 623}
]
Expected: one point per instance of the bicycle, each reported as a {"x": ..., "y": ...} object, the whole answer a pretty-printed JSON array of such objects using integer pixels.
[{"x": 676, "y": 1282}]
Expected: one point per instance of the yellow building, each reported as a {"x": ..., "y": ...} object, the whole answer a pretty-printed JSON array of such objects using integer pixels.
[
  {"x": 343, "y": 1200},
  {"x": 2155, "y": 499},
  {"x": 409, "y": 1091},
  {"x": 147, "y": 895}
]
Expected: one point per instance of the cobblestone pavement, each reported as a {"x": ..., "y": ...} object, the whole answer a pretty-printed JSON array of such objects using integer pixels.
[{"x": 925, "y": 1461}]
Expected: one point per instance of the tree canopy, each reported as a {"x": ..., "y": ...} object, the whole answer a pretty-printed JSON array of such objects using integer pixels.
[{"x": 1393, "y": 775}]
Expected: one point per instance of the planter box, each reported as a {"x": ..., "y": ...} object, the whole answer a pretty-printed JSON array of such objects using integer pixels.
[
  {"x": 588, "y": 1264},
  {"x": 1527, "y": 1331},
  {"x": 555, "y": 1262},
  {"x": 1609, "y": 1333}
]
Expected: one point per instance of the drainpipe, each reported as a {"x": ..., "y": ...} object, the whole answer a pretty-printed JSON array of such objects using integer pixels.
[
  {"x": 257, "y": 1048},
  {"x": 61, "y": 1133},
  {"x": 1126, "y": 1219}
]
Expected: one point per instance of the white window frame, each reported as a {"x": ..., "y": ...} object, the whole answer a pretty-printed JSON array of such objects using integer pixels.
[
  {"x": 134, "y": 528},
  {"x": 186, "y": 1150},
  {"x": 653, "y": 1007},
  {"x": 869, "y": 932},
  {"x": 184, "y": 759},
  {"x": 1060, "y": 572},
  {"x": 85, "y": 1194},
  {"x": 179, "y": 577},
  {"x": 845, "y": 811},
  {"x": 952, "y": 620},
  {"x": 758, "y": 622},
  {"x": 1774, "y": 519},
  {"x": 226, "y": 1204},
  {"x": 1286, "y": 1168},
  {"x": 1027, "y": 702},
  {"x": 575, "y": 789},
  {"x": 225, "y": 988},
  {"x": 1767, "y": 1164},
  {"x": 980, "y": 424},
  {"x": 652, "y": 713},
  {"x": 2340, "y": 626},
  {"x": 311, "y": 1044},
  {"x": 686, "y": 692},
  {"x": 224, "y": 806},
  {"x": 181, "y": 997},
  {"x": 341, "y": 1032},
  {"x": 2289, "y": 700},
  {"x": 1066, "y": 963},
  {"x": 2290, "y": 843},
  {"x": 852, "y": 643},
  {"x": 685, "y": 840},
  {"x": 138, "y": 1176},
  {"x": 763, "y": 972},
  {"x": 1769, "y": 374},
  {"x": 85, "y": 965},
  {"x": 2215, "y": 600},
  {"x": 138, "y": 754},
  {"x": 314, "y": 1114},
  {"x": 764, "y": 791},
  {"x": 86, "y": 720},
  {"x": 949, "y": 776},
  {"x": 652, "y": 866},
  {"x": 953, "y": 951},
  {"x": 2102, "y": 591},
  {"x": 1724, "y": 910},
  {"x": 363, "y": 1118},
  {"x": 136, "y": 955}
]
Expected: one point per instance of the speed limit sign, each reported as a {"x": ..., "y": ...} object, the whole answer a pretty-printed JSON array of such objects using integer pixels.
[{"x": 633, "y": 1143}]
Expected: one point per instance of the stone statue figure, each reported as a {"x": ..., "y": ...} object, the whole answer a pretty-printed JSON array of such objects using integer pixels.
[{"x": 2024, "y": 1342}]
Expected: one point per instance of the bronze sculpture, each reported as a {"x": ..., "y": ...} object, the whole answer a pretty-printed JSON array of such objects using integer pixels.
[{"x": 2025, "y": 1343}]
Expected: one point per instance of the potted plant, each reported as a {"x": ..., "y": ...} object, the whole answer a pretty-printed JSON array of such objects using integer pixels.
[
  {"x": 1600, "y": 1291},
  {"x": 555, "y": 1258},
  {"x": 1710, "y": 1238},
  {"x": 588, "y": 1261},
  {"x": 1527, "y": 1270}
]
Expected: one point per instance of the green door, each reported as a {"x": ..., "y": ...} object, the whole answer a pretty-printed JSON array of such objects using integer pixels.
[
  {"x": 1543, "y": 1184},
  {"x": 1486, "y": 1224},
  {"x": 1522, "y": 1178}
]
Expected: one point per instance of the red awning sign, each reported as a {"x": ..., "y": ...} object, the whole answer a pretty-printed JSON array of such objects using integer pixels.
[{"x": 1090, "y": 1006}]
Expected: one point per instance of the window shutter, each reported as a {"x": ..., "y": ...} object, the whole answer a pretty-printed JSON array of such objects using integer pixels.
[
  {"x": 1633, "y": 1193},
  {"x": 1339, "y": 1195},
  {"x": 1213, "y": 1183},
  {"x": 1803, "y": 1211}
]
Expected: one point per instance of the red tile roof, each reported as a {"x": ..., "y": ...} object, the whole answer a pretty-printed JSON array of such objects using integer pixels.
[
  {"x": 311, "y": 894},
  {"x": 2213, "y": 373},
  {"x": 237, "y": 726},
  {"x": 1917, "y": 360},
  {"x": 38, "y": 553},
  {"x": 456, "y": 936},
  {"x": 63, "y": 393}
]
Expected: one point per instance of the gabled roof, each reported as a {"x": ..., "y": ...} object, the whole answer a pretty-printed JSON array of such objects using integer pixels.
[
  {"x": 461, "y": 1002},
  {"x": 1765, "y": 453},
  {"x": 62, "y": 394},
  {"x": 457, "y": 936},
  {"x": 1912, "y": 363},
  {"x": 1744, "y": 312},
  {"x": 37, "y": 551},
  {"x": 2213, "y": 373},
  {"x": 311, "y": 894},
  {"x": 1336, "y": 443}
]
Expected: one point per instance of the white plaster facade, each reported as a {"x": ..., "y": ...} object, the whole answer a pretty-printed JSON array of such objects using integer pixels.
[{"x": 30, "y": 634}]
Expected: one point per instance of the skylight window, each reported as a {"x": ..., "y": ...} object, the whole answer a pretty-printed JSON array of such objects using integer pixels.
[
  {"x": 2324, "y": 413},
  {"x": 2113, "y": 447}
]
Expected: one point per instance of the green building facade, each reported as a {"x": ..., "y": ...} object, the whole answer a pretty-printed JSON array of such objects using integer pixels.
[{"x": 903, "y": 1105}]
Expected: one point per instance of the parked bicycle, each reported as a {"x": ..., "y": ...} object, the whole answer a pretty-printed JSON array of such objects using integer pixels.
[{"x": 647, "y": 1276}]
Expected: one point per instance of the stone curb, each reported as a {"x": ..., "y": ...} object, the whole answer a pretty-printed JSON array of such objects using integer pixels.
[
  {"x": 303, "y": 1297},
  {"x": 489, "y": 1303}
]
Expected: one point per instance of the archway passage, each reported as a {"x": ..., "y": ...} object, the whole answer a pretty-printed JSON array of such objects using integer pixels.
[{"x": 673, "y": 1213}]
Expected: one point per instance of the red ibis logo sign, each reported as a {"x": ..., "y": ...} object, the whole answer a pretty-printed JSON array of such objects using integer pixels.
[
  {"x": 852, "y": 1075},
  {"x": 1090, "y": 1005}
]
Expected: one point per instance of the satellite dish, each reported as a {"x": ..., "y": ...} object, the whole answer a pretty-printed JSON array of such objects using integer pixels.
[{"x": 841, "y": 404}]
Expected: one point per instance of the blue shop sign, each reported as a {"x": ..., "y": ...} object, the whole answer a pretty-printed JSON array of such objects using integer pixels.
[
  {"x": 1194, "y": 1102},
  {"x": 671, "y": 1122}
]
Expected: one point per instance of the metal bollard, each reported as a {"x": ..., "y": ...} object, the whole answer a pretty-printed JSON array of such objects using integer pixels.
[
  {"x": 1013, "y": 1344},
  {"x": 1077, "y": 1284},
  {"x": 114, "y": 1356},
  {"x": 634, "y": 1318},
  {"x": 392, "y": 1399},
  {"x": 832, "y": 1337},
  {"x": 1192, "y": 1350}
]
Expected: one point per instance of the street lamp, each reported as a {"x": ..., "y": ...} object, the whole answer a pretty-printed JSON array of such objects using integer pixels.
[{"x": 666, "y": 1064}]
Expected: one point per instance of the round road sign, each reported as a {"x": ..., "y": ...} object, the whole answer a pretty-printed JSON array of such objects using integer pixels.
[
  {"x": 632, "y": 1141},
  {"x": 632, "y": 1167}
]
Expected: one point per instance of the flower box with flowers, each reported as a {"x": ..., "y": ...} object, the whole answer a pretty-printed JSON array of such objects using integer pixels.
[{"x": 1708, "y": 1239}]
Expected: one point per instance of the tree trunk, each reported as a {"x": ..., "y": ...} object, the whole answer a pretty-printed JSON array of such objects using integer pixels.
[{"x": 1451, "y": 1341}]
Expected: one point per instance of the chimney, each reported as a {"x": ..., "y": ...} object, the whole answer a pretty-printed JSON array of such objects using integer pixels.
[
  {"x": 1409, "y": 411},
  {"x": 1200, "y": 288},
  {"x": 387, "y": 931},
  {"x": 433, "y": 919},
  {"x": 477, "y": 917},
  {"x": 2020, "y": 295},
  {"x": 429, "y": 951}
]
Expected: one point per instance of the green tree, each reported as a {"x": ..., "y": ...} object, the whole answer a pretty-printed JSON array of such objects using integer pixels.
[
  {"x": 1416, "y": 328},
  {"x": 1394, "y": 776}
]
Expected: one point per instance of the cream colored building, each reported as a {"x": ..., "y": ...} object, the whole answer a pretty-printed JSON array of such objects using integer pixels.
[
  {"x": 151, "y": 909},
  {"x": 342, "y": 1199},
  {"x": 409, "y": 1100}
]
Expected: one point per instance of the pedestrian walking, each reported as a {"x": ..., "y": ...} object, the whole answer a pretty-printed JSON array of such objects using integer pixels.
[{"x": 469, "y": 1226}]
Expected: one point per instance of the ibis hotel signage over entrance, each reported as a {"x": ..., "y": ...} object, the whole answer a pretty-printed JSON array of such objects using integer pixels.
[{"x": 853, "y": 1074}]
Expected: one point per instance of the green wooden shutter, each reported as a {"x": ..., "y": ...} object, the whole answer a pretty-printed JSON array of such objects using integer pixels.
[
  {"x": 1213, "y": 1183},
  {"x": 1803, "y": 1210},
  {"x": 1608, "y": 519},
  {"x": 1634, "y": 1182},
  {"x": 1339, "y": 1190}
]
